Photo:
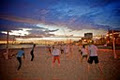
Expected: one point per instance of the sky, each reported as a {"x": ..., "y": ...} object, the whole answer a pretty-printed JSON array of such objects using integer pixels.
[{"x": 55, "y": 18}]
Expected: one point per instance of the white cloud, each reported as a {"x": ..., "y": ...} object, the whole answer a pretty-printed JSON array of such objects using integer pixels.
[{"x": 22, "y": 32}]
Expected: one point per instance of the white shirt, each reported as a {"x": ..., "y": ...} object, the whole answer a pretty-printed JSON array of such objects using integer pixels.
[
  {"x": 93, "y": 50},
  {"x": 84, "y": 51},
  {"x": 56, "y": 52},
  {"x": 66, "y": 49}
]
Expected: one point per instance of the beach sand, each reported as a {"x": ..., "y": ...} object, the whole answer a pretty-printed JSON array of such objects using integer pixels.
[{"x": 70, "y": 69}]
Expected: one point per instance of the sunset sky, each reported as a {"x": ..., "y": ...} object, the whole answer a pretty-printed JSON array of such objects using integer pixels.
[{"x": 54, "y": 18}]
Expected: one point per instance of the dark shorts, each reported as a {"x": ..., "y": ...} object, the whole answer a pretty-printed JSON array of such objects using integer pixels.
[
  {"x": 84, "y": 56},
  {"x": 93, "y": 58}
]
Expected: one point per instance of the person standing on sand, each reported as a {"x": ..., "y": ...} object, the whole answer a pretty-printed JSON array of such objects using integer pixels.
[
  {"x": 67, "y": 50},
  {"x": 32, "y": 52},
  {"x": 84, "y": 53},
  {"x": 49, "y": 49},
  {"x": 71, "y": 50},
  {"x": 62, "y": 49},
  {"x": 93, "y": 56},
  {"x": 19, "y": 56},
  {"x": 56, "y": 55}
]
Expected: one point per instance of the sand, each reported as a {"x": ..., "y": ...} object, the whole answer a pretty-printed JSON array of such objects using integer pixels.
[{"x": 70, "y": 69}]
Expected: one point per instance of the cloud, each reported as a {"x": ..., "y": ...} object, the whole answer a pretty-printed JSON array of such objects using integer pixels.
[
  {"x": 19, "y": 19},
  {"x": 71, "y": 14},
  {"x": 13, "y": 23},
  {"x": 47, "y": 18},
  {"x": 51, "y": 30}
]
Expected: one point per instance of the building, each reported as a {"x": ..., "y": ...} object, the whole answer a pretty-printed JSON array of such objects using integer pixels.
[{"x": 87, "y": 38}]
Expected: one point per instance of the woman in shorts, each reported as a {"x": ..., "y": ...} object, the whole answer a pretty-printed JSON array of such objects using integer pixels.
[{"x": 84, "y": 53}]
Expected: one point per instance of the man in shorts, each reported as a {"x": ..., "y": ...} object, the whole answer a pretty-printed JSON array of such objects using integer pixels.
[{"x": 93, "y": 56}]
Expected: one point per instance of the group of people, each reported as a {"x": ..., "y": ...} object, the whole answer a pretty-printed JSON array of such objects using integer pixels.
[
  {"x": 89, "y": 52},
  {"x": 21, "y": 54},
  {"x": 57, "y": 50}
]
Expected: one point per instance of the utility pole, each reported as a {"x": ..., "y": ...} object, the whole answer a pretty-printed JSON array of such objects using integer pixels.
[
  {"x": 114, "y": 51},
  {"x": 7, "y": 48},
  {"x": 7, "y": 40}
]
